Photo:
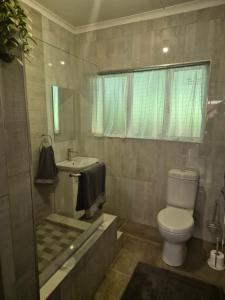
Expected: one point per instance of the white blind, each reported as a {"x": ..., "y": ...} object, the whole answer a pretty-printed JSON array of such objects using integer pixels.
[{"x": 153, "y": 104}]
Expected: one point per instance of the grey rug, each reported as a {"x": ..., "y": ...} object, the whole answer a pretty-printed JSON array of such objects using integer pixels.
[{"x": 150, "y": 283}]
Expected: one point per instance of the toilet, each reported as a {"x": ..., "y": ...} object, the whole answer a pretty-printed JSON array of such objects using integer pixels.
[{"x": 175, "y": 222}]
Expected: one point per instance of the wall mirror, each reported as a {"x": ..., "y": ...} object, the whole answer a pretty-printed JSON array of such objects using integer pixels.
[{"x": 63, "y": 103}]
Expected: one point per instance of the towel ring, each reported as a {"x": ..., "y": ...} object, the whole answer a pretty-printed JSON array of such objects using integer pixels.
[
  {"x": 46, "y": 139},
  {"x": 48, "y": 136}
]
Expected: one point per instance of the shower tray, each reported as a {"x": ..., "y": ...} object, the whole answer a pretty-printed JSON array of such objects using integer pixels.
[{"x": 59, "y": 237}]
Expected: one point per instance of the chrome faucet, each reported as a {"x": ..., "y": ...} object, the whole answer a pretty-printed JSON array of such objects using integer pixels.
[{"x": 70, "y": 151}]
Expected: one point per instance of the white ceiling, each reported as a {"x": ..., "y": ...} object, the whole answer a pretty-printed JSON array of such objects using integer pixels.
[
  {"x": 86, "y": 12},
  {"x": 80, "y": 16}
]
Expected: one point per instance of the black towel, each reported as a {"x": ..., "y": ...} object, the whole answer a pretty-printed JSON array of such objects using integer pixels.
[
  {"x": 47, "y": 170},
  {"x": 91, "y": 186}
]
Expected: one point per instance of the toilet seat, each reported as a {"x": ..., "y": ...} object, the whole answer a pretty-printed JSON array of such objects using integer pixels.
[{"x": 175, "y": 220}]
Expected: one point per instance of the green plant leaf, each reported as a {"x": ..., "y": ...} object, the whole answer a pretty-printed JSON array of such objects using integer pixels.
[{"x": 15, "y": 32}]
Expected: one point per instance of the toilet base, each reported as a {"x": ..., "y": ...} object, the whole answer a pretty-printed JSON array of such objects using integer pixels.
[{"x": 174, "y": 254}]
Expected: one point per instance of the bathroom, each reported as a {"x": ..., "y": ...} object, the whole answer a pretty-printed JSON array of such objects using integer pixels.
[{"x": 83, "y": 42}]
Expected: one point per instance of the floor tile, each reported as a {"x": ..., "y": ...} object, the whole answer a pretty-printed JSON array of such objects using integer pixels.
[
  {"x": 113, "y": 286},
  {"x": 141, "y": 244}
]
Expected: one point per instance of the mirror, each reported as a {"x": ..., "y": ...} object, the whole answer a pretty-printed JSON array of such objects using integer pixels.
[{"x": 63, "y": 104}]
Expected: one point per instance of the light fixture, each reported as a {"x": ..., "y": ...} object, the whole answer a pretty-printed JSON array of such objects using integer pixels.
[
  {"x": 62, "y": 62},
  {"x": 72, "y": 247},
  {"x": 165, "y": 50},
  {"x": 50, "y": 64}
]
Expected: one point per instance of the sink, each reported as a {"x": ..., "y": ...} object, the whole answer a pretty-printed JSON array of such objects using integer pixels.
[{"x": 77, "y": 164}]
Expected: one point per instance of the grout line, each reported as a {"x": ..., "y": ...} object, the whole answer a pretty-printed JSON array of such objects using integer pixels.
[
  {"x": 119, "y": 272},
  {"x": 141, "y": 239}
]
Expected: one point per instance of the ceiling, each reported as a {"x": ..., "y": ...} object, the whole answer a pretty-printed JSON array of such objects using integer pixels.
[{"x": 86, "y": 12}]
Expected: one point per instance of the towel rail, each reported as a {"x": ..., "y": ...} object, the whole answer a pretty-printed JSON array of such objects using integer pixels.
[{"x": 74, "y": 174}]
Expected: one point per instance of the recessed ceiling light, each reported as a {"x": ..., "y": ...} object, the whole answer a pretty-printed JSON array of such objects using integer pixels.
[
  {"x": 165, "y": 49},
  {"x": 50, "y": 64},
  {"x": 62, "y": 62}
]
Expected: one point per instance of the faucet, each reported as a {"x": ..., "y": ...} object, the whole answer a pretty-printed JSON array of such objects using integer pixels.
[{"x": 70, "y": 151}]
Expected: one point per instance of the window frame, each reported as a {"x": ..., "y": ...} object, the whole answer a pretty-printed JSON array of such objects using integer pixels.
[{"x": 206, "y": 63}]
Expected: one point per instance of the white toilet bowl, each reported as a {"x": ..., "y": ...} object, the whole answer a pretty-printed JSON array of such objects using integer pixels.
[{"x": 176, "y": 227}]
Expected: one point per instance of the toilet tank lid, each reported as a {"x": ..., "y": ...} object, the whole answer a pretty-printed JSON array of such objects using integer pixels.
[{"x": 186, "y": 174}]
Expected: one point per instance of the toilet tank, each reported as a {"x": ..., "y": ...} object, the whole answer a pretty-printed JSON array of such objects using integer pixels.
[{"x": 182, "y": 188}]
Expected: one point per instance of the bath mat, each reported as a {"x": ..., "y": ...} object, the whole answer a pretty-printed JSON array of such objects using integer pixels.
[{"x": 150, "y": 283}]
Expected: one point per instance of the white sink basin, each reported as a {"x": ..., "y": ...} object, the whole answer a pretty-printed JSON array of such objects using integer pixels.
[{"x": 77, "y": 164}]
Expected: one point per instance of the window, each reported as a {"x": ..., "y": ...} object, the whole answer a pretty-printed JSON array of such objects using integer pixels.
[{"x": 164, "y": 103}]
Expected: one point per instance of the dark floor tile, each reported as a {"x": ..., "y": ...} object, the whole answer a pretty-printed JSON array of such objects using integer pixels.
[
  {"x": 112, "y": 286},
  {"x": 141, "y": 231},
  {"x": 143, "y": 244}
]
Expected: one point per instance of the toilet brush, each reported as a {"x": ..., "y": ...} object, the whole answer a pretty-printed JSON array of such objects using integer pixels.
[
  {"x": 216, "y": 258},
  {"x": 217, "y": 250},
  {"x": 222, "y": 242},
  {"x": 213, "y": 225}
]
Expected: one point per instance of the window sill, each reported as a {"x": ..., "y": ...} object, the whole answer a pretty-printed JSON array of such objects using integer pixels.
[{"x": 150, "y": 139}]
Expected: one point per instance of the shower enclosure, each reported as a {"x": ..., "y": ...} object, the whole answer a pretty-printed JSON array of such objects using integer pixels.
[
  {"x": 57, "y": 83},
  {"x": 58, "y": 237}
]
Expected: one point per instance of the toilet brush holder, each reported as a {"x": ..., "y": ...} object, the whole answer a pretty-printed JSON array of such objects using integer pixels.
[{"x": 216, "y": 261}]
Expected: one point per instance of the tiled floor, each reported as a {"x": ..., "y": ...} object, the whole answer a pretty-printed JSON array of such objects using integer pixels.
[
  {"x": 53, "y": 239},
  {"x": 142, "y": 243}
]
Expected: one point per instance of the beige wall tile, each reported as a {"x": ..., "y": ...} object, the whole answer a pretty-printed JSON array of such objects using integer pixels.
[
  {"x": 192, "y": 36},
  {"x": 16, "y": 206},
  {"x": 136, "y": 163},
  {"x": 6, "y": 246}
]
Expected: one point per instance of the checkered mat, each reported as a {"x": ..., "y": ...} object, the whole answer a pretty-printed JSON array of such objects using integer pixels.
[{"x": 52, "y": 240}]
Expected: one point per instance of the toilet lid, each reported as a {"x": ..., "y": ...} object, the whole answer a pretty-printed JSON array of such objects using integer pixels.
[{"x": 175, "y": 220}]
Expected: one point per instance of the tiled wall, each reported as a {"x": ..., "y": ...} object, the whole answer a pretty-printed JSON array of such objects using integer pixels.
[
  {"x": 137, "y": 169},
  {"x": 37, "y": 115},
  {"x": 58, "y": 46},
  {"x": 17, "y": 245},
  {"x": 61, "y": 75},
  {"x": 54, "y": 44}
]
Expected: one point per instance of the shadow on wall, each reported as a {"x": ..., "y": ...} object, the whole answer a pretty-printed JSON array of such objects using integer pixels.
[
  {"x": 1, "y": 286},
  {"x": 215, "y": 122},
  {"x": 200, "y": 210},
  {"x": 212, "y": 168},
  {"x": 43, "y": 204}
]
